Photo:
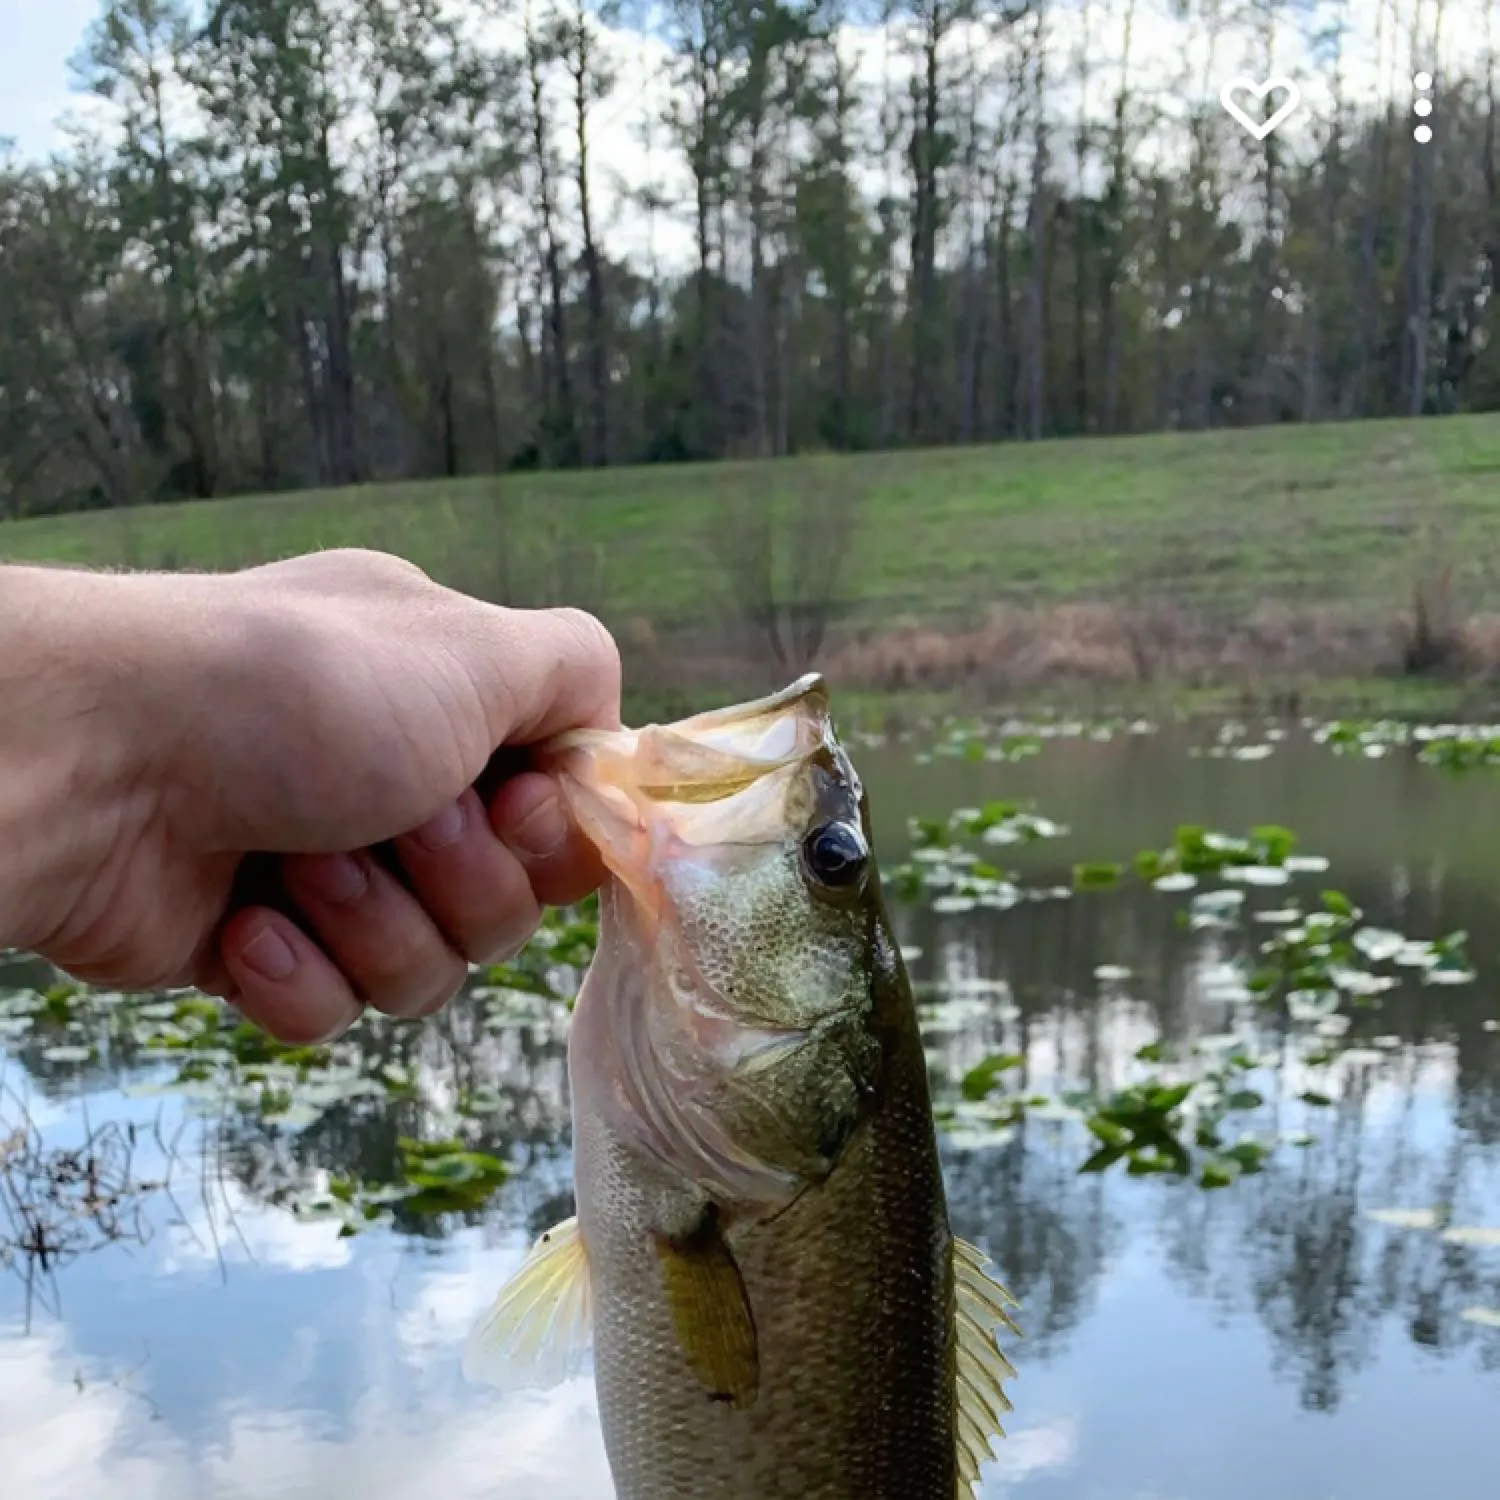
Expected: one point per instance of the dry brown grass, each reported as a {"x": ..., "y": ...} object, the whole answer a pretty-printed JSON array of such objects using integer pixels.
[
  {"x": 1142, "y": 638},
  {"x": 1085, "y": 644},
  {"x": 1088, "y": 651},
  {"x": 1479, "y": 647},
  {"x": 1015, "y": 649},
  {"x": 1430, "y": 632}
]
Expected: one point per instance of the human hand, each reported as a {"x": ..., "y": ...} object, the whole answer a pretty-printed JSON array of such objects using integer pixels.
[{"x": 307, "y": 710}]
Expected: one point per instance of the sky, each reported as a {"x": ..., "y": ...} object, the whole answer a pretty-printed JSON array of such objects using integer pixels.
[
  {"x": 1170, "y": 59},
  {"x": 37, "y": 37}
]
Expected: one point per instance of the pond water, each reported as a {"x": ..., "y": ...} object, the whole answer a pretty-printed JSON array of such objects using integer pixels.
[{"x": 1326, "y": 1327}]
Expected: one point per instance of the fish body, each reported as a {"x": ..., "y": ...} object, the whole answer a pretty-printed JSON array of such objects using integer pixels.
[{"x": 761, "y": 1259}]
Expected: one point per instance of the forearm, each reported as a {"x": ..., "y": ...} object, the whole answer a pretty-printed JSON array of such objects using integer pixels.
[{"x": 74, "y": 766}]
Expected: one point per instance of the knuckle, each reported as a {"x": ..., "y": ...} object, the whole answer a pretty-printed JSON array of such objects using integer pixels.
[
  {"x": 593, "y": 639},
  {"x": 449, "y": 990},
  {"x": 414, "y": 973},
  {"x": 501, "y": 944},
  {"x": 371, "y": 563},
  {"x": 509, "y": 917},
  {"x": 592, "y": 643},
  {"x": 305, "y": 1027}
]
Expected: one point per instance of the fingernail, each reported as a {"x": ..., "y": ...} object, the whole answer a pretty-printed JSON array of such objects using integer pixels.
[
  {"x": 335, "y": 877},
  {"x": 269, "y": 954},
  {"x": 440, "y": 831},
  {"x": 543, "y": 830}
]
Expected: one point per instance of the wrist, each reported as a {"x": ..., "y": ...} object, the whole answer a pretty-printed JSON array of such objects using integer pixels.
[{"x": 77, "y": 762}]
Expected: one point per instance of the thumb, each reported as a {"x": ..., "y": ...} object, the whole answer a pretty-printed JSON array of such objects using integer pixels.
[{"x": 540, "y": 672}]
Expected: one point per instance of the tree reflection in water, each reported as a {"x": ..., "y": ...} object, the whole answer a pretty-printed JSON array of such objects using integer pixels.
[{"x": 1414, "y": 1122}]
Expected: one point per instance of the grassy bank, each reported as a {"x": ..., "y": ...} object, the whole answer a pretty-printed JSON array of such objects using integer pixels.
[{"x": 1290, "y": 552}]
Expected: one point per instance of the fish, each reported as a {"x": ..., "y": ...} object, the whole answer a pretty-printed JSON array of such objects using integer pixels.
[{"x": 761, "y": 1262}]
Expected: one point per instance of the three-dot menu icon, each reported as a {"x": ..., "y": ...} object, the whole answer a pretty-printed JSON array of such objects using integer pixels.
[{"x": 1422, "y": 107}]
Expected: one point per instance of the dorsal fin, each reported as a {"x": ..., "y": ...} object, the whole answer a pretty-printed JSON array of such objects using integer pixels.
[
  {"x": 540, "y": 1327},
  {"x": 981, "y": 1305}
]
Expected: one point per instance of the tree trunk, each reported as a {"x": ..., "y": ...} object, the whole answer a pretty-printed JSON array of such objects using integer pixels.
[
  {"x": 598, "y": 356},
  {"x": 560, "y": 425}
]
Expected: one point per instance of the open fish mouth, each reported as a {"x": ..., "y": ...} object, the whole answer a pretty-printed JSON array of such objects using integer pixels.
[
  {"x": 710, "y": 755},
  {"x": 730, "y": 778}
]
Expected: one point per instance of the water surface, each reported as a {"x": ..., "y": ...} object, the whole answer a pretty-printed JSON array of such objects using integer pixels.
[{"x": 1182, "y": 1344}]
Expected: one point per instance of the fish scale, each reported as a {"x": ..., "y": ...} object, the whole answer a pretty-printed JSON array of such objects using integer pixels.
[
  {"x": 761, "y": 1262},
  {"x": 851, "y": 1292}
]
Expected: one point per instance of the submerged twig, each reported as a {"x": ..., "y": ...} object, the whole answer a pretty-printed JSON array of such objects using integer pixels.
[{"x": 60, "y": 1202}]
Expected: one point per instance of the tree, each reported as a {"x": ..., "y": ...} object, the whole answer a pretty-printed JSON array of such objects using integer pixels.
[
  {"x": 319, "y": 243},
  {"x": 592, "y": 82},
  {"x": 134, "y": 56}
]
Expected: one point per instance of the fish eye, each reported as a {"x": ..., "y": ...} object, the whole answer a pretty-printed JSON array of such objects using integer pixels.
[{"x": 836, "y": 854}]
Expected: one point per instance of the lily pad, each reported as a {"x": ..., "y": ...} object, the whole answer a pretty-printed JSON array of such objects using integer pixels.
[
  {"x": 978, "y": 1138},
  {"x": 1377, "y": 944},
  {"x": 954, "y": 904},
  {"x": 1257, "y": 874},
  {"x": 67, "y": 1052},
  {"x": 1311, "y": 1005},
  {"x": 1473, "y": 1234},
  {"x": 1404, "y": 1218},
  {"x": 1450, "y": 976},
  {"x": 296, "y": 1116}
]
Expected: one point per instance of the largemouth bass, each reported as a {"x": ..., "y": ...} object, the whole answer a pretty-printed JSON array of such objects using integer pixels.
[{"x": 761, "y": 1258}]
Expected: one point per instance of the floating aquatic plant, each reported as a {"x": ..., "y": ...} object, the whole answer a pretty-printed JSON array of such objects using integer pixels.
[
  {"x": 1462, "y": 752},
  {"x": 953, "y": 876},
  {"x": 1262, "y": 857}
]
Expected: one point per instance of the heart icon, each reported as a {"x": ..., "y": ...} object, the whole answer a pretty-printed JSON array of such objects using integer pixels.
[{"x": 1260, "y": 90}]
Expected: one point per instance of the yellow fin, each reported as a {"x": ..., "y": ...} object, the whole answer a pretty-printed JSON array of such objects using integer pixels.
[
  {"x": 539, "y": 1329},
  {"x": 981, "y": 1305},
  {"x": 711, "y": 1313}
]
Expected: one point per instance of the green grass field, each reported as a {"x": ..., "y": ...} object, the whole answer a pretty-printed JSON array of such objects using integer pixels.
[{"x": 1219, "y": 521}]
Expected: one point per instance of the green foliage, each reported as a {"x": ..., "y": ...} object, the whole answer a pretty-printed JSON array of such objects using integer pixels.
[
  {"x": 1327, "y": 958},
  {"x": 435, "y": 1177},
  {"x": 1310, "y": 967},
  {"x": 1452, "y": 747},
  {"x": 1141, "y": 1125},
  {"x": 983, "y": 1077},
  {"x": 1313, "y": 966},
  {"x": 951, "y": 875},
  {"x": 1262, "y": 857},
  {"x": 1462, "y": 752},
  {"x": 981, "y": 742}
]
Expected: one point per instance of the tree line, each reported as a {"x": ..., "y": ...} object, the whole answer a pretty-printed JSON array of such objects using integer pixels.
[{"x": 323, "y": 242}]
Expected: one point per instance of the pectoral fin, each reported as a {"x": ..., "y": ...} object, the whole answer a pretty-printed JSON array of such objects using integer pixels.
[
  {"x": 981, "y": 1305},
  {"x": 711, "y": 1312},
  {"x": 539, "y": 1329}
]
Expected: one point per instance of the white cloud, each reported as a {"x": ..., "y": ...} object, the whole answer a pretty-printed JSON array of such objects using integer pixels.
[
  {"x": 547, "y": 1448},
  {"x": 72, "y": 1428},
  {"x": 61, "y": 1433},
  {"x": 65, "y": 1438},
  {"x": 1042, "y": 1448},
  {"x": 1173, "y": 61},
  {"x": 232, "y": 1226}
]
